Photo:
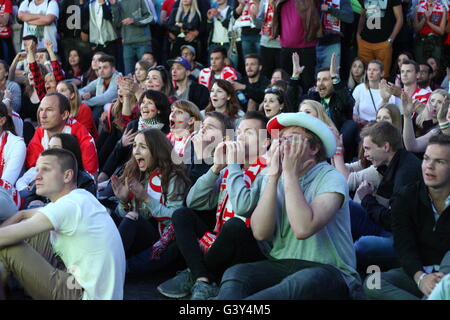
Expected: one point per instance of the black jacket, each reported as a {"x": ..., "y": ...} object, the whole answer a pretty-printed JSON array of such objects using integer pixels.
[
  {"x": 199, "y": 95},
  {"x": 403, "y": 169},
  {"x": 341, "y": 103},
  {"x": 418, "y": 239}
]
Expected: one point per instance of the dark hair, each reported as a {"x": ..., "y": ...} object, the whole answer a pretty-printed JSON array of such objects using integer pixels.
[
  {"x": 284, "y": 74},
  {"x": 430, "y": 68},
  {"x": 415, "y": 64},
  {"x": 220, "y": 49},
  {"x": 70, "y": 142},
  {"x": 167, "y": 87},
  {"x": 224, "y": 120},
  {"x": 381, "y": 132},
  {"x": 30, "y": 37},
  {"x": 254, "y": 56},
  {"x": 144, "y": 64},
  {"x": 108, "y": 58},
  {"x": 9, "y": 124},
  {"x": 440, "y": 139},
  {"x": 279, "y": 84},
  {"x": 161, "y": 152},
  {"x": 82, "y": 63},
  {"x": 233, "y": 105},
  {"x": 63, "y": 102},
  {"x": 43, "y": 50},
  {"x": 66, "y": 160},
  {"x": 5, "y": 65},
  {"x": 257, "y": 115},
  {"x": 161, "y": 102}
]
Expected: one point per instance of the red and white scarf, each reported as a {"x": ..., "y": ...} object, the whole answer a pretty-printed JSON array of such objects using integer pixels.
[
  {"x": 4, "y": 139},
  {"x": 331, "y": 24},
  {"x": 224, "y": 209},
  {"x": 179, "y": 144},
  {"x": 266, "y": 28}
]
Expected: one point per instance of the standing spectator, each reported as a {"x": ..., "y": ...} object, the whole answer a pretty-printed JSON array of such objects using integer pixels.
[
  {"x": 184, "y": 26},
  {"x": 270, "y": 49},
  {"x": 333, "y": 14},
  {"x": 379, "y": 24},
  {"x": 298, "y": 25},
  {"x": 73, "y": 23},
  {"x": 102, "y": 34},
  {"x": 430, "y": 17},
  {"x": 6, "y": 45},
  {"x": 134, "y": 17},
  {"x": 40, "y": 18},
  {"x": 246, "y": 12},
  {"x": 218, "y": 25},
  {"x": 218, "y": 69}
]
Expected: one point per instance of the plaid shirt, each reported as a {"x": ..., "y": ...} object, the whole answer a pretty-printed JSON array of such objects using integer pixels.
[{"x": 39, "y": 83}]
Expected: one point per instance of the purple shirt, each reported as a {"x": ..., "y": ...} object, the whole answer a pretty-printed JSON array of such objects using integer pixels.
[{"x": 292, "y": 31}]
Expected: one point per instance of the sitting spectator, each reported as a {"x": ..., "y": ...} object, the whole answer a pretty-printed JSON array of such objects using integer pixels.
[
  {"x": 158, "y": 79},
  {"x": 223, "y": 99},
  {"x": 251, "y": 91},
  {"x": 6, "y": 36},
  {"x": 79, "y": 111},
  {"x": 371, "y": 223},
  {"x": 182, "y": 120},
  {"x": 218, "y": 69},
  {"x": 279, "y": 74},
  {"x": 357, "y": 74},
  {"x": 427, "y": 119},
  {"x": 231, "y": 186},
  {"x": 53, "y": 115},
  {"x": 188, "y": 52},
  {"x": 150, "y": 58},
  {"x": 424, "y": 77},
  {"x": 310, "y": 249},
  {"x": 316, "y": 110},
  {"x": 154, "y": 113},
  {"x": 367, "y": 95},
  {"x": 141, "y": 70},
  {"x": 92, "y": 73},
  {"x": 274, "y": 103},
  {"x": 12, "y": 158},
  {"x": 420, "y": 229},
  {"x": 14, "y": 102},
  {"x": 76, "y": 69},
  {"x": 185, "y": 88},
  {"x": 338, "y": 103},
  {"x": 158, "y": 187},
  {"x": 103, "y": 90},
  {"x": 39, "y": 19},
  {"x": 91, "y": 255},
  {"x": 133, "y": 18}
]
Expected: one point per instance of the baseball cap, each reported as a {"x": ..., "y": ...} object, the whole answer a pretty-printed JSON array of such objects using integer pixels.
[
  {"x": 191, "y": 48},
  {"x": 181, "y": 61}
]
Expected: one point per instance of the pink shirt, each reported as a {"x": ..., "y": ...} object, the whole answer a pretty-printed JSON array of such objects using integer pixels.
[{"x": 292, "y": 30}]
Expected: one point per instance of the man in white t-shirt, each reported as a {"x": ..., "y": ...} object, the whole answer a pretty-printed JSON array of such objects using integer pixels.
[
  {"x": 40, "y": 17},
  {"x": 82, "y": 257}
]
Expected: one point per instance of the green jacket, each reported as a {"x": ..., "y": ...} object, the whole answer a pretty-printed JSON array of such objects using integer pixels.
[{"x": 139, "y": 31}]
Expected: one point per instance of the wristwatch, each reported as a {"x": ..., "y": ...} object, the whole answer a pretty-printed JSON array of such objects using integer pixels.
[{"x": 390, "y": 40}]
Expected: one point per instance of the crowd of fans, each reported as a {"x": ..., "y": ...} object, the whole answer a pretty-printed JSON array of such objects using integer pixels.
[{"x": 257, "y": 149}]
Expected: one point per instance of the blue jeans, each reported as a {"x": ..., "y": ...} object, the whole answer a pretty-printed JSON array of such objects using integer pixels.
[
  {"x": 373, "y": 245},
  {"x": 289, "y": 279},
  {"x": 132, "y": 53},
  {"x": 323, "y": 55},
  {"x": 250, "y": 44}
]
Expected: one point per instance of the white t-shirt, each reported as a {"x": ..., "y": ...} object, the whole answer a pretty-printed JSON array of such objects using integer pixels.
[
  {"x": 47, "y": 32},
  {"x": 364, "y": 106},
  {"x": 89, "y": 244},
  {"x": 14, "y": 156}
]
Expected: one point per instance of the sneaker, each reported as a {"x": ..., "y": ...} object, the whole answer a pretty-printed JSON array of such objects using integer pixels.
[
  {"x": 204, "y": 291},
  {"x": 179, "y": 286}
]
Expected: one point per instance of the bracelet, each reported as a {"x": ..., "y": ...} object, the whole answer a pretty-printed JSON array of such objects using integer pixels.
[
  {"x": 444, "y": 127},
  {"x": 338, "y": 154},
  {"x": 443, "y": 123},
  {"x": 423, "y": 275}
]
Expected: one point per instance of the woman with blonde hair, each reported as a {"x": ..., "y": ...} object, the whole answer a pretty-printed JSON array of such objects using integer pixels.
[
  {"x": 427, "y": 119},
  {"x": 316, "y": 110},
  {"x": 79, "y": 111},
  {"x": 184, "y": 26},
  {"x": 357, "y": 73}
]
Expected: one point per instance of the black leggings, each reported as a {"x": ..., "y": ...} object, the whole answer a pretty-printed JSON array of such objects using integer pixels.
[{"x": 235, "y": 244}]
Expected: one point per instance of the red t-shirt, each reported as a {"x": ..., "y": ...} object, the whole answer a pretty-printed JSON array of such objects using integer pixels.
[
  {"x": 447, "y": 38},
  {"x": 436, "y": 16},
  {"x": 86, "y": 119},
  {"x": 167, "y": 6},
  {"x": 5, "y": 7}
]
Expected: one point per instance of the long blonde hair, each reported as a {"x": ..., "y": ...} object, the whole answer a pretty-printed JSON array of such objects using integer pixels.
[
  {"x": 75, "y": 103},
  {"x": 320, "y": 110},
  {"x": 192, "y": 11},
  {"x": 425, "y": 114}
]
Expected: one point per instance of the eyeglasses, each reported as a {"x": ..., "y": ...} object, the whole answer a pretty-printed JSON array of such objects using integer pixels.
[
  {"x": 159, "y": 68},
  {"x": 273, "y": 90}
]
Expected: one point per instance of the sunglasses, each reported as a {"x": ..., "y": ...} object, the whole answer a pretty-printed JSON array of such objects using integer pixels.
[
  {"x": 273, "y": 90},
  {"x": 159, "y": 68}
]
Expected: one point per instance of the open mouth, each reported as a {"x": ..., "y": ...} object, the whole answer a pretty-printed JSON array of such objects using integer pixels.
[
  {"x": 140, "y": 162},
  {"x": 171, "y": 124}
]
